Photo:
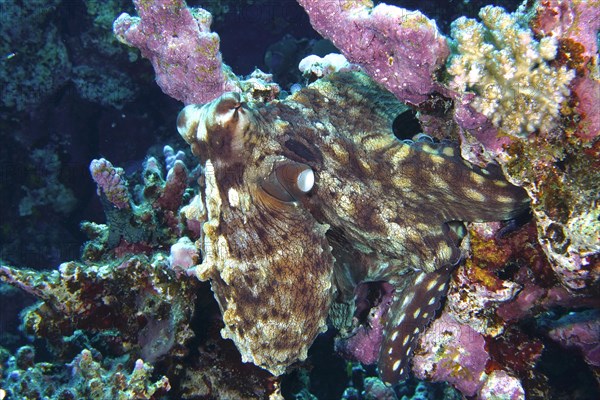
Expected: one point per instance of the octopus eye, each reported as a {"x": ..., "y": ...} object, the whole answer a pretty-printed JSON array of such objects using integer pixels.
[
  {"x": 306, "y": 180},
  {"x": 289, "y": 181}
]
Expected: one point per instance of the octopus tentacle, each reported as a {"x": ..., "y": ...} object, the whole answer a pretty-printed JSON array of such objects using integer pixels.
[{"x": 409, "y": 314}]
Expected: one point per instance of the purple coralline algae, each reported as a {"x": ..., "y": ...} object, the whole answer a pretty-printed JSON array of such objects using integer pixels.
[
  {"x": 455, "y": 354},
  {"x": 111, "y": 182},
  {"x": 500, "y": 385},
  {"x": 178, "y": 42},
  {"x": 365, "y": 342},
  {"x": 580, "y": 331},
  {"x": 400, "y": 49}
]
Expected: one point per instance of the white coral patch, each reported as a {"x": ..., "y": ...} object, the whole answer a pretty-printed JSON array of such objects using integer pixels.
[{"x": 508, "y": 69}]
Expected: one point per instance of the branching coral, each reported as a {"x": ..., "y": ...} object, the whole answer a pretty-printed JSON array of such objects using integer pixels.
[
  {"x": 111, "y": 182},
  {"x": 518, "y": 89}
]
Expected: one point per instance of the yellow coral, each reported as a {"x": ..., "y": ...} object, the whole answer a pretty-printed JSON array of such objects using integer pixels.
[{"x": 509, "y": 70}]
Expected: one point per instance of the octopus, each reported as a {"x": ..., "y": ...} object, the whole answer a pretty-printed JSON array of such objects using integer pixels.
[{"x": 310, "y": 196}]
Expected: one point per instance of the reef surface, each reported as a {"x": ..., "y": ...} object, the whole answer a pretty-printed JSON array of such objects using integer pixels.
[{"x": 418, "y": 206}]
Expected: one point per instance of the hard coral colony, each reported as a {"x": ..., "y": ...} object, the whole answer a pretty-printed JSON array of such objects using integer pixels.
[{"x": 308, "y": 213}]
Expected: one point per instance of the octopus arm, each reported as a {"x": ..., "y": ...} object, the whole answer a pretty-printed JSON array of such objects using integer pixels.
[
  {"x": 461, "y": 191},
  {"x": 410, "y": 311},
  {"x": 273, "y": 283}
]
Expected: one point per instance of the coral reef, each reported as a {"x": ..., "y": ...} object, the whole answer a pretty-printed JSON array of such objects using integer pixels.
[
  {"x": 84, "y": 377},
  {"x": 398, "y": 48},
  {"x": 307, "y": 213},
  {"x": 132, "y": 299},
  {"x": 455, "y": 354},
  {"x": 50, "y": 191},
  {"x": 111, "y": 182},
  {"x": 105, "y": 87},
  {"x": 518, "y": 89},
  {"x": 29, "y": 36},
  {"x": 554, "y": 161},
  {"x": 183, "y": 51}
]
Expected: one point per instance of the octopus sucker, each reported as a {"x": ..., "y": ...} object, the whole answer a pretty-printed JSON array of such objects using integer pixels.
[{"x": 311, "y": 196}]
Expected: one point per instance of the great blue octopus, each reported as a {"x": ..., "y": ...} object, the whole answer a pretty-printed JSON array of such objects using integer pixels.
[{"x": 309, "y": 196}]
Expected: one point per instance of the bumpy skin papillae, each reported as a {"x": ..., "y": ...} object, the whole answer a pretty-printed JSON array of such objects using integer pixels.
[
  {"x": 382, "y": 205},
  {"x": 269, "y": 262}
]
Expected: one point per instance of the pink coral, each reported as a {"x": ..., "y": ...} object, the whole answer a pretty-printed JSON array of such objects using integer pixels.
[
  {"x": 111, "y": 182},
  {"x": 184, "y": 53},
  {"x": 452, "y": 352},
  {"x": 175, "y": 185},
  {"x": 184, "y": 254},
  {"x": 399, "y": 49},
  {"x": 587, "y": 91}
]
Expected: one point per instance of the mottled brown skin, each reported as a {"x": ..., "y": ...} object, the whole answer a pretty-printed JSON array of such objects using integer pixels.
[
  {"x": 383, "y": 207},
  {"x": 268, "y": 261}
]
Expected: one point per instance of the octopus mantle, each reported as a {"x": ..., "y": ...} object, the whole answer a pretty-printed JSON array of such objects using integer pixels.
[{"x": 310, "y": 196}]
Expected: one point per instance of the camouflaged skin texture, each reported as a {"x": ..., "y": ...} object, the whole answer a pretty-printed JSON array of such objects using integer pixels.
[{"x": 379, "y": 210}]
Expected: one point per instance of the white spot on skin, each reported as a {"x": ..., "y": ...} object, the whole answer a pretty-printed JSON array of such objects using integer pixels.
[
  {"x": 504, "y": 199},
  {"x": 396, "y": 365},
  {"x": 442, "y": 287},
  {"x": 202, "y": 133},
  {"x": 448, "y": 151},
  {"x": 390, "y": 350},
  {"x": 431, "y": 284},
  {"x": 417, "y": 312},
  {"x": 426, "y": 315},
  {"x": 419, "y": 279},
  {"x": 431, "y": 301},
  {"x": 234, "y": 197},
  {"x": 400, "y": 319},
  {"x": 475, "y": 195},
  {"x": 407, "y": 299},
  {"x": 406, "y": 339},
  {"x": 478, "y": 179},
  {"x": 394, "y": 336}
]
